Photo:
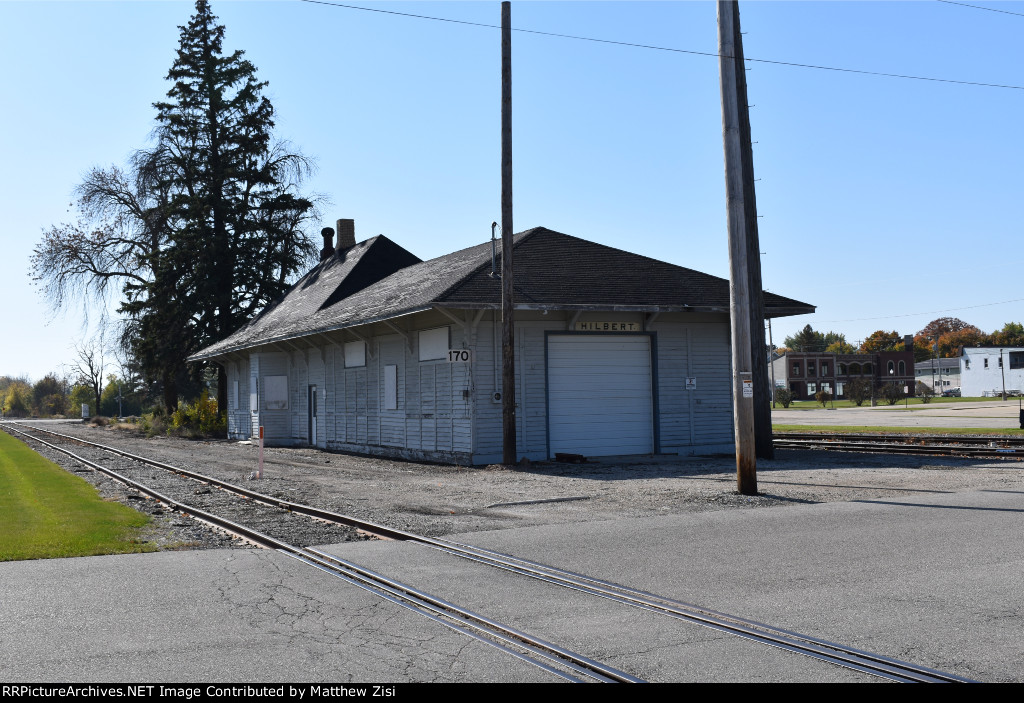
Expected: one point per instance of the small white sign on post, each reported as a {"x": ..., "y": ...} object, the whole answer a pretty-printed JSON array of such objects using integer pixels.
[
  {"x": 460, "y": 356},
  {"x": 691, "y": 383},
  {"x": 748, "y": 388}
]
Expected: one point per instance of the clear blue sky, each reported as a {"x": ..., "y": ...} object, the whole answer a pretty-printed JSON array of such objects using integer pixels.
[{"x": 885, "y": 202}]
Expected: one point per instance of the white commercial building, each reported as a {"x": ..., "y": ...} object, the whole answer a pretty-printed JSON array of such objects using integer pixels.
[{"x": 987, "y": 371}]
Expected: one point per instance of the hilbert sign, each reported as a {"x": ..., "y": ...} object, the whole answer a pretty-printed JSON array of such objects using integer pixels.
[{"x": 608, "y": 327}]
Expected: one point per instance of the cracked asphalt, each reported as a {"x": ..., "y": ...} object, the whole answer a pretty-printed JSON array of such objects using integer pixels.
[{"x": 914, "y": 558}]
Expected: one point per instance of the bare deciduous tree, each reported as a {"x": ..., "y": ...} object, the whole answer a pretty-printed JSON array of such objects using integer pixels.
[{"x": 89, "y": 365}]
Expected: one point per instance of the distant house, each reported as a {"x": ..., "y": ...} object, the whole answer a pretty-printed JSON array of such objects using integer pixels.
[
  {"x": 375, "y": 351},
  {"x": 986, "y": 371},
  {"x": 806, "y": 373},
  {"x": 939, "y": 374}
]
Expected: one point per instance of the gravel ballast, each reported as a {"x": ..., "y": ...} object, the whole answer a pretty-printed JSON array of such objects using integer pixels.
[{"x": 437, "y": 500}]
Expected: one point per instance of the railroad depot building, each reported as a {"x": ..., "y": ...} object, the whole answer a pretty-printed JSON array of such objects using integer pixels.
[{"x": 375, "y": 351}]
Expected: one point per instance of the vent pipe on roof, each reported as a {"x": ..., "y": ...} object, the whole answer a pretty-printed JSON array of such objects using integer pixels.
[
  {"x": 346, "y": 234},
  {"x": 494, "y": 264},
  {"x": 328, "y": 250}
]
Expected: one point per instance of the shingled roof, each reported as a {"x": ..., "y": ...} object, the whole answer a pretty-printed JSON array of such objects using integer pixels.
[{"x": 377, "y": 280}]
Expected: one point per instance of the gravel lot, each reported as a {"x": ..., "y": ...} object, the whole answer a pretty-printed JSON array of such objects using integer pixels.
[{"x": 437, "y": 500}]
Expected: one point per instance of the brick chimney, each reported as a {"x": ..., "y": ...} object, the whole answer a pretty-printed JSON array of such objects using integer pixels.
[
  {"x": 346, "y": 234},
  {"x": 908, "y": 342},
  {"x": 328, "y": 250}
]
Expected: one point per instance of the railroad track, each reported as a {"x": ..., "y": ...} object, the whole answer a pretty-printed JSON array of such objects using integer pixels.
[
  {"x": 979, "y": 447},
  {"x": 537, "y": 651}
]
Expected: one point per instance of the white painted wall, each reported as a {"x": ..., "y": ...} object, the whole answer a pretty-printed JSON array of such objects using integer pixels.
[
  {"x": 977, "y": 378},
  {"x": 445, "y": 411}
]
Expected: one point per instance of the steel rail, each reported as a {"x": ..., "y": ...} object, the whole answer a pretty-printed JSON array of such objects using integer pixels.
[
  {"x": 1004, "y": 440},
  {"x": 901, "y": 448},
  {"x": 421, "y": 602},
  {"x": 824, "y": 650},
  {"x": 817, "y": 648}
]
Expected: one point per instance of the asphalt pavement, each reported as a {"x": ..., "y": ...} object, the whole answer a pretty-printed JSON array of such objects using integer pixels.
[
  {"x": 984, "y": 414},
  {"x": 934, "y": 579}
]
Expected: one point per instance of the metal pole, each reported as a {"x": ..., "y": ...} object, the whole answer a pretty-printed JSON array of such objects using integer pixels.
[
  {"x": 1002, "y": 373},
  {"x": 508, "y": 369},
  {"x": 739, "y": 297}
]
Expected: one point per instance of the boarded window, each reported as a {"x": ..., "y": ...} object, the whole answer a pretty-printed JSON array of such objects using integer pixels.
[
  {"x": 390, "y": 387},
  {"x": 434, "y": 344},
  {"x": 234, "y": 394},
  {"x": 275, "y": 392},
  {"x": 355, "y": 354}
]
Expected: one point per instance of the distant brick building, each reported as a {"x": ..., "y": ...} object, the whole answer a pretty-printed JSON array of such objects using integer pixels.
[{"x": 806, "y": 373}]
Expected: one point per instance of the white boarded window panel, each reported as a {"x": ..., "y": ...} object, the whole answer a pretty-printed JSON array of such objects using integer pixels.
[
  {"x": 355, "y": 354},
  {"x": 275, "y": 392},
  {"x": 434, "y": 344},
  {"x": 390, "y": 387},
  {"x": 234, "y": 394},
  {"x": 600, "y": 394}
]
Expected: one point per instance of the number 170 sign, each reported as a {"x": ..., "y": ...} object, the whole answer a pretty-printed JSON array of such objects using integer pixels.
[{"x": 460, "y": 356}]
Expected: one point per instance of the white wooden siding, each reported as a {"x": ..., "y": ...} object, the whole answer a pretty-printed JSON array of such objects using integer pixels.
[
  {"x": 239, "y": 422},
  {"x": 277, "y": 424}
]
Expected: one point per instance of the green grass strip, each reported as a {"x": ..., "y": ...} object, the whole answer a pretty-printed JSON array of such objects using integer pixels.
[
  {"x": 935, "y": 400},
  {"x": 46, "y": 512},
  {"x": 877, "y": 429}
]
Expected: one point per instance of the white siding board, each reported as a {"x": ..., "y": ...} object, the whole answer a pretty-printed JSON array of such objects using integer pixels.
[{"x": 276, "y": 423}]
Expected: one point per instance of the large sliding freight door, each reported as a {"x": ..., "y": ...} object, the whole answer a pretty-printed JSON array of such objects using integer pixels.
[{"x": 600, "y": 398}]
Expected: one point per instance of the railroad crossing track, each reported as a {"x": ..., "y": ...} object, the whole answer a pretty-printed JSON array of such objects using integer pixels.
[
  {"x": 977, "y": 447},
  {"x": 550, "y": 657}
]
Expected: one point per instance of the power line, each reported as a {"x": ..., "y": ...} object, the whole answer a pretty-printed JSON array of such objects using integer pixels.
[
  {"x": 979, "y": 7},
  {"x": 674, "y": 50},
  {"x": 915, "y": 314}
]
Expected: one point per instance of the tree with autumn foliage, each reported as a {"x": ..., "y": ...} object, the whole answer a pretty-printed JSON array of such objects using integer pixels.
[
  {"x": 841, "y": 346},
  {"x": 1012, "y": 335},
  {"x": 951, "y": 342},
  {"x": 881, "y": 341},
  {"x": 943, "y": 325}
]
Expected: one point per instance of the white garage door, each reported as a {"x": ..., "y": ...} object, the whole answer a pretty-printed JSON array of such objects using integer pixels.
[{"x": 599, "y": 395}]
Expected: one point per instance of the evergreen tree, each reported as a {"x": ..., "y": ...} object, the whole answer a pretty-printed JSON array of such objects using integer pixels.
[
  {"x": 202, "y": 231},
  {"x": 234, "y": 197},
  {"x": 806, "y": 340}
]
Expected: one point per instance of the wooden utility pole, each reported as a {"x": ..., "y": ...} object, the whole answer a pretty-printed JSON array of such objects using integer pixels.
[
  {"x": 739, "y": 275},
  {"x": 508, "y": 367},
  {"x": 763, "y": 447}
]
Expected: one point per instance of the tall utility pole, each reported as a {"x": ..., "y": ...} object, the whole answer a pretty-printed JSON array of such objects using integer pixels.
[
  {"x": 771, "y": 362},
  {"x": 763, "y": 447},
  {"x": 729, "y": 65},
  {"x": 508, "y": 367}
]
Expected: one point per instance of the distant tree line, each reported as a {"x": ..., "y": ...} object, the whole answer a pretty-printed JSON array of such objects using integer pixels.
[{"x": 942, "y": 337}]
